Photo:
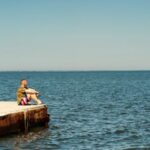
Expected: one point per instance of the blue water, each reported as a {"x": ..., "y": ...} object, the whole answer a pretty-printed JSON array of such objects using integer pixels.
[{"x": 89, "y": 110}]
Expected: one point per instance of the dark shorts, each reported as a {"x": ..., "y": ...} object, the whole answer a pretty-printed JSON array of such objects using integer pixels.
[{"x": 24, "y": 101}]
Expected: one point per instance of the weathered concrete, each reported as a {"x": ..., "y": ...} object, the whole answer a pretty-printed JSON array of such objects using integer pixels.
[{"x": 14, "y": 118}]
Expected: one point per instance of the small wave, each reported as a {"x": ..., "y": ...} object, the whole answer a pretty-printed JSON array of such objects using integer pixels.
[
  {"x": 120, "y": 130},
  {"x": 136, "y": 148}
]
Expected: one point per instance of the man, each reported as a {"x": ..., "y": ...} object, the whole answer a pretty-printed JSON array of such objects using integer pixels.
[{"x": 24, "y": 94}]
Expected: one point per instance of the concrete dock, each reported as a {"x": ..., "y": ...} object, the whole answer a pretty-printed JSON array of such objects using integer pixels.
[{"x": 15, "y": 118}]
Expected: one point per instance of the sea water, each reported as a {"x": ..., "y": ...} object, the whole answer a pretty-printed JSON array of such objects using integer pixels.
[{"x": 89, "y": 110}]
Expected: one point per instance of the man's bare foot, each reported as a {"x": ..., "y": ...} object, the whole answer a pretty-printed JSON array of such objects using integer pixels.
[{"x": 39, "y": 102}]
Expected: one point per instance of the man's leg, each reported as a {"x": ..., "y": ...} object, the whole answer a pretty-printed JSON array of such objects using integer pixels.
[
  {"x": 29, "y": 97},
  {"x": 34, "y": 97}
]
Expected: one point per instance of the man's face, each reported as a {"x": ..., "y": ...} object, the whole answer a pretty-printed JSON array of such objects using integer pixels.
[{"x": 25, "y": 83}]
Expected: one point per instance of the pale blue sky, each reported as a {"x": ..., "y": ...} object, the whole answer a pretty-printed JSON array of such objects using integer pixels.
[{"x": 74, "y": 34}]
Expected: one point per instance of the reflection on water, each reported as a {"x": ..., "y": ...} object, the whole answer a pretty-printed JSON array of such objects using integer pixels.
[{"x": 17, "y": 141}]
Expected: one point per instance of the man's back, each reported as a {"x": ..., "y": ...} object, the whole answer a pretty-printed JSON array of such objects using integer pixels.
[{"x": 20, "y": 94}]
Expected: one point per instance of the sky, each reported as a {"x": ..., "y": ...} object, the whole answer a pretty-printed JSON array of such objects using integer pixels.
[{"x": 44, "y": 35}]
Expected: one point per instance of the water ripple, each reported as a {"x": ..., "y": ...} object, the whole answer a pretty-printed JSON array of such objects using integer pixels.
[{"x": 89, "y": 110}]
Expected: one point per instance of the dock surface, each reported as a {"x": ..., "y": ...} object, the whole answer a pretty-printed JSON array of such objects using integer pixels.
[
  {"x": 15, "y": 118},
  {"x": 13, "y": 107}
]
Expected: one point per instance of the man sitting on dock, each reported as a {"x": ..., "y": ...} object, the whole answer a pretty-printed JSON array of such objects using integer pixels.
[{"x": 25, "y": 95}]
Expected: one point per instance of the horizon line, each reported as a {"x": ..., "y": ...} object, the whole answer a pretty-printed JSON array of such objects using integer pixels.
[{"x": 123, "y": 70}]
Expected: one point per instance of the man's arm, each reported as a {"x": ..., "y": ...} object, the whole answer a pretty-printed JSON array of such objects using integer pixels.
[{"x": 31, "y": 91}]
